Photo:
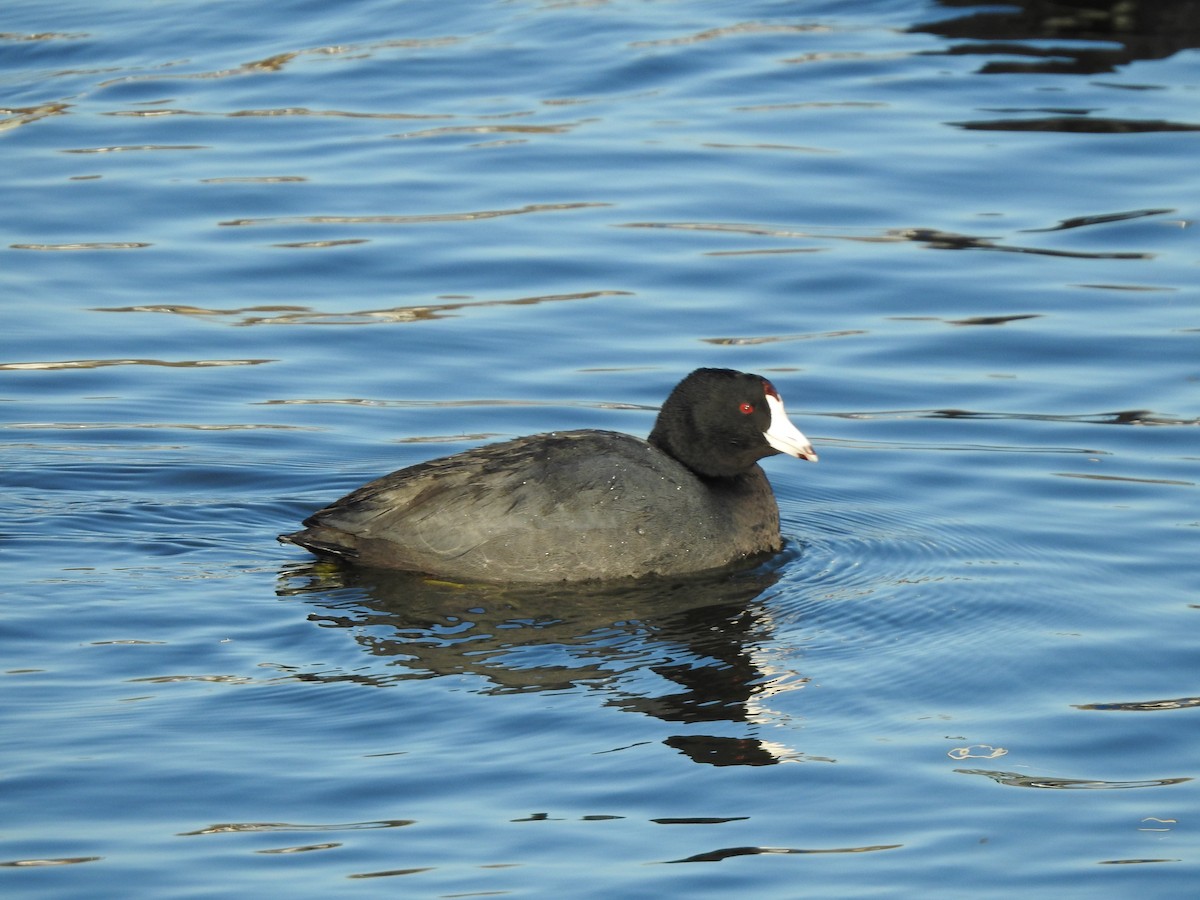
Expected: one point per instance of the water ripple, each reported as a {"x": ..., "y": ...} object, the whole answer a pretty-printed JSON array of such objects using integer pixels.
[
  {"x": 1119, "y": 417},
  {"x": 1079, "y": 125},
  {"x": 258, "y": 827},
  {"x": 58, "y": 861},
  {"x": 127, "y": 148},
  {"x": 278, "y": 61},
  {"x": 1144, "y": 705},
  {"x": 85, "y": 245},
  {"x": 731, "y": 852},
  {"x": 1015, "y": 779},
  {"x": 305, "y": 315},
  {"x": 471, "y": 216},
  {"x": 741, "y": 29},
  {"x": 301, "y": 848},
  {"x": 104, "y": 363},
  {"x": 453, "y": 130},
  {"x": 878, "y": 574}
]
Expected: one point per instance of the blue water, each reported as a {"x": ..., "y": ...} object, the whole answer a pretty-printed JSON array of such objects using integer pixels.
[{"x": 253, "y": 256}]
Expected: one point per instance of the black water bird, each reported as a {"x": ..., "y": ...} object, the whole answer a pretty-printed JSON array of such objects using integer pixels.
[{"x": 582, "y": 505}]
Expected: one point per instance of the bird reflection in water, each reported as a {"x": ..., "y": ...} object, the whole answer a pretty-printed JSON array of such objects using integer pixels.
[{"x": 684, "y": 650}]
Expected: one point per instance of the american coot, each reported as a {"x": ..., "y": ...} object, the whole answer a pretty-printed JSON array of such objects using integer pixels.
[{"x": 582, "y": 505}]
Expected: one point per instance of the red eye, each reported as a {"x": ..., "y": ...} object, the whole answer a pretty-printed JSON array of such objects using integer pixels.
[{"x": 746, "y": 408}]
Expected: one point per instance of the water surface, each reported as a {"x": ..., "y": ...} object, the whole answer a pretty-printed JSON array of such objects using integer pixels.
[{"x": 255, "y": 257}]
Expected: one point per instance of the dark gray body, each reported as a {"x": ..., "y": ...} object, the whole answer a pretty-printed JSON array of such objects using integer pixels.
[{"x": 566, "y": 506}]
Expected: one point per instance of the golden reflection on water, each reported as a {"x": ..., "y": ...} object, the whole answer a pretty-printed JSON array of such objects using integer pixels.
[
  {"x": 305, "y": 315},
  {"x": 44, "y": 36},
  {"x": 451, "y": 404},
  {"x": 277, "y": 62},
  {"x": 557, "y": 128},
  {"x": 85, "y": 245},
  {"x": 267, "y": 113},
  {"x": 428, "y": 218},
  {"x": 23, "y": 115},
  {"x": 57, "y": 861},
  {"x": 316, "y": 245},
  {"x": 128, "y": 148},
  {"x": 780, "y": 338},
  {"x": 182, "y": 426},
  {"x": 339, "y": 113},
  {"x": 101, "y": 363},
  {"x": 239, "y": 827},
  {"x": 302, "y": 848},
  {"x": 740, "y": 29}
]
